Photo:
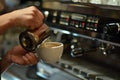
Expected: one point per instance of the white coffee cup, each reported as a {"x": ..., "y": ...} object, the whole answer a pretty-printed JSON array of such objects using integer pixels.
[{"x": 50, "y": 52}]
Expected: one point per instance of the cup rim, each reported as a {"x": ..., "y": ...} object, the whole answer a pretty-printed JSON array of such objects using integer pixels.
[{"x": 61, "y": 44}]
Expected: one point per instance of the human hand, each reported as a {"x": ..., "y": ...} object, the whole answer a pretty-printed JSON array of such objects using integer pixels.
[
  {"x": 19, "y": 56},
  {"x": 29, "y": 17}
]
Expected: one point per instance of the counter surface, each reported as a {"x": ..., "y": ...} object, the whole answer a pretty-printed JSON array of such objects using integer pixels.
[{"x": 29, "y": 73}]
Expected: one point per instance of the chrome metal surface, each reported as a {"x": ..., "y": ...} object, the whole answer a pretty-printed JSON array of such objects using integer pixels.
[
  {"x": 85, "y": 8},
  {"x": 9, "y": 76}
]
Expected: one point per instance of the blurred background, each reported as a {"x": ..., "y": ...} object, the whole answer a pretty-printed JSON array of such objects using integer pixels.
[{"x": 90, "y": 31}]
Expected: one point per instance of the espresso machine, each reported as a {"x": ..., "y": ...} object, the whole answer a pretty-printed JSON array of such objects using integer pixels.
[{"x": 91, "y": 37}]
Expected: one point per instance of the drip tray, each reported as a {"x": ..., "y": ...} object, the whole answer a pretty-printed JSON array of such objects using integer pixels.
[
  {"x": 59, "y": 76},
  {"x": 51, "y": 73}
]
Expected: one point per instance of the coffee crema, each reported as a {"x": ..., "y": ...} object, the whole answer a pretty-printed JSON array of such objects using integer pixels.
[{"x": 50, "y": 44}]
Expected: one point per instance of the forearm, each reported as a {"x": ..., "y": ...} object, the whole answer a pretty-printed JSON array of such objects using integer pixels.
[
  {"x": 4, "y": 64},
  {"x": 6, "y": 21}
]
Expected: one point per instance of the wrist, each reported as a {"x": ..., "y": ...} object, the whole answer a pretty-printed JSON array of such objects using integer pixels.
[
  {"x": 7, "y": 20},
  {"x": 11, "y": 20}
]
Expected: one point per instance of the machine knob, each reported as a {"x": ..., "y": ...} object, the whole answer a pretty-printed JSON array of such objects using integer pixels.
[
  {"x": 77, "y": 52},
  {"x": 111, "y": 28}
]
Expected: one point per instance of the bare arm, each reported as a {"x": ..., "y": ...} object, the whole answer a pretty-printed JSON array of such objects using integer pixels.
[
  {"x": 29, "y": 17},
  {"x": 5, "y": 22}
]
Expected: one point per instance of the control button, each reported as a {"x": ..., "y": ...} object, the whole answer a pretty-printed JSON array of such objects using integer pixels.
[
  {"x": 76, "y": 70},
  {"x": 84, "y": 74},
  {"x": 66, "y": 66},
  {"x": 111, "y": 28},
  {"x": 63, "y": 65},
  {"x": 103, "y": 78},
  {"x": 91, "y": 76},
  {"x": 69, "y": 67}
]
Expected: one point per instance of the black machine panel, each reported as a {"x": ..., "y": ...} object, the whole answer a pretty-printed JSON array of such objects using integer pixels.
[
  {"x": 103, "y": 28},
  {"x": 87, "y": 23}
]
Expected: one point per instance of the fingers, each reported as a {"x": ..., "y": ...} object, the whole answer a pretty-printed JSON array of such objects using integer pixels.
[
  {"x": 19, "y": 56},
  {"x": 30, "y": 59},
  {"x": 37, "y": 18},
  {"x": 26, "y": 60},
  {"x": 29, "y": 17}
]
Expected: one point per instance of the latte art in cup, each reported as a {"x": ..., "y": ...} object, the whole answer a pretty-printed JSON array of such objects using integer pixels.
[{"x": 50, "y": 44}]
